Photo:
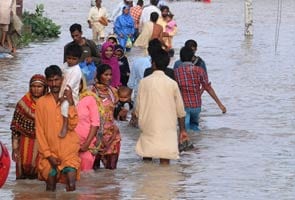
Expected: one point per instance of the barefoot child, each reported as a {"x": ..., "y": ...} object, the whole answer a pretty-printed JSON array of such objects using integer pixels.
[{"x": 71, "y": 78}]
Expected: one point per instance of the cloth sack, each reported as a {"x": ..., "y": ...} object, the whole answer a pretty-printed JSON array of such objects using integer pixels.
[{"x": 103, "y": 21}]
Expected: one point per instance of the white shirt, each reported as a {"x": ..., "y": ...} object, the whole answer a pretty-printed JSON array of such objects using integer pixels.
[
  {"x": 72, "y": 77},
  {"x": 146, "y": 14}
]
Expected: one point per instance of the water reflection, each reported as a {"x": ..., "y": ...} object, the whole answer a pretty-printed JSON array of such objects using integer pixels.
[{"x": 157, "y": 182}]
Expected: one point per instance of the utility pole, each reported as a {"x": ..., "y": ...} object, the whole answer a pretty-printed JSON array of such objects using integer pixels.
[{"x": 248, "y": 18}]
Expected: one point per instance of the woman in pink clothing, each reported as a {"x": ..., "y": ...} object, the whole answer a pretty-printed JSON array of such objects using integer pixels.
[
  {"x": 88, "y": 124},
  {"x": 108, "y": 57}
]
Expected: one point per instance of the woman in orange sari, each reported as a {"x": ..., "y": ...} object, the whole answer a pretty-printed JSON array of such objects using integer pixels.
[{"x": 24, "y": 145}]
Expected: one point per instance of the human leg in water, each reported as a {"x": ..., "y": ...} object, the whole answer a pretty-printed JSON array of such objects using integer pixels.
[
  {"x": 164, "y": 161},
  {"x": 51, "y": 183},
  {"x": 71, "y": 178},
  {"x": 111, "y": 161}
]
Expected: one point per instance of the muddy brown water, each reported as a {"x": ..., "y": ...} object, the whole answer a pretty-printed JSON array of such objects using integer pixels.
[{"x": 247, "y": 153}]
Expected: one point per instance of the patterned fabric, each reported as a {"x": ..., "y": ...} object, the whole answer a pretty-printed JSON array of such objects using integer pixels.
[
  {"x": 190, "y": 78},
  {"x": 23, "y": 132},
  {"x": 23, "y": 121},
  {"x": 26, "y": 167},
  {"x": 135, "y": 12},
  {"x": 110, "y": 139}
]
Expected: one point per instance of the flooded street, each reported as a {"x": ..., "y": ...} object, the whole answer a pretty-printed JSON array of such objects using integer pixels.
[{"x": 248, "y": 153}]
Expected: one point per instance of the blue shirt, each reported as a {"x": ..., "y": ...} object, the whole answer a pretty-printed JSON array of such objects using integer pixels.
[{"x": 137, "y": 71}]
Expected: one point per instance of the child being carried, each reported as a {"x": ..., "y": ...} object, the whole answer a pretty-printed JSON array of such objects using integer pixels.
[{"x": 124, "y": 105}]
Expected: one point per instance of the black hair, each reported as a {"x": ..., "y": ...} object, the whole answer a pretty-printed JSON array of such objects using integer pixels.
[
  {"x": 186, "y": 54},
  {"x": 101, "y": 69},
  {"x": 140, "y": 2},
  {"x": 154, "y": 2},
  {"x": 52, "y": 70},
  {"x": 123, "y": 89},
  {"x": 74, "y": 50},
  {"x": 161, "y": 59},
  {"x": 76, "y": 27},
  {"x": 163, "y": 7},
  {"x": 154, "y": 46},
  {"x": 154, "y": 17},
  {"x": 191, "y": 43}
]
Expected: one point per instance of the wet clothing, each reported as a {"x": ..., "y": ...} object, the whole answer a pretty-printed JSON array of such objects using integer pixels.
[
  {"x": 88, "y": 116},
  {"x": 110, "y": 138},
  {"x": 158, "y": 106},
  {"x": 23, "y": 133},
  {"x": 190, "y": 79},
  {"x": 23, "y": 130},
  {"x": 88, "y": 113},
  {"x": 48, "y": 125}
]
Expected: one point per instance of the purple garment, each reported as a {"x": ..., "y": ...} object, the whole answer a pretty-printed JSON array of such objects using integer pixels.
[{"x": 112, "y": 62}]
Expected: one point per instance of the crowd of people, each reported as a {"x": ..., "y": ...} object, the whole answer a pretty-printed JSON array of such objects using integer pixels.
[{"x": 66, "y": 122}]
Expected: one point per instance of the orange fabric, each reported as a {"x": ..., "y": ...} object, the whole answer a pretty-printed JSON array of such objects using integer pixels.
[{"x": 48, "y": 125}]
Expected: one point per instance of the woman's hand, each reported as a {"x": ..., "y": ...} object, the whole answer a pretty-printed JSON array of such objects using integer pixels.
[
  {"x": 15, "y": 155},
  {"x": 84, "y": 147}
]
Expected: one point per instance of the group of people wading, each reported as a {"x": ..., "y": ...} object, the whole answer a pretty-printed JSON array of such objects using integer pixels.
[{"x": 66, "y": 122}]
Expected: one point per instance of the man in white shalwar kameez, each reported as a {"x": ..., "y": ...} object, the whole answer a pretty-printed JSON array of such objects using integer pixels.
[
  {"x": 159, "y": 106},
  {"x": 97, "y": 13}
]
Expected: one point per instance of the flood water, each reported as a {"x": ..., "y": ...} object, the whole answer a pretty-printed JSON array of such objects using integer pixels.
[{"x": 247, "y": 153}]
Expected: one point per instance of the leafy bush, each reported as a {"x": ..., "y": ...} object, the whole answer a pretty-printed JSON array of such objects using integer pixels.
[{"x": 40, "y": 27}]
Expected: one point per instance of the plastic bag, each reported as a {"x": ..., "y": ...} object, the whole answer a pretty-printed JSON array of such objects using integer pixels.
[
  {"x": 129, "y": 43},
  {"x": 89, "y": 71}
]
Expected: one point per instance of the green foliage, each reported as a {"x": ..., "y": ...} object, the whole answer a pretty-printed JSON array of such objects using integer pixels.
[{"x": 38, "y": 27}]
